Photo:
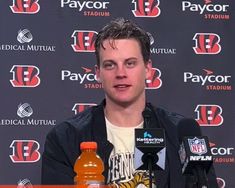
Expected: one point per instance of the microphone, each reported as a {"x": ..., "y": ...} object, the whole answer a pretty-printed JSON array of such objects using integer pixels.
[
  {"x": 195, "y": 154},
  {"x": 150, "y": 152},
  {"x": 150, "y": 145}
]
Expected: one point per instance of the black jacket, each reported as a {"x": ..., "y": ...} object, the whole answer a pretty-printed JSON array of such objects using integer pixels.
[{"x": 62, "y": 147}]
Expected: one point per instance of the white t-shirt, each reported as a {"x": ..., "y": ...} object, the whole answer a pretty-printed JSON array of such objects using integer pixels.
[{"x": 121, "y": 161}]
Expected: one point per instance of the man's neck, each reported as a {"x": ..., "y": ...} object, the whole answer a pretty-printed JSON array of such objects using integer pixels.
[{"x": 124, "y": 116}]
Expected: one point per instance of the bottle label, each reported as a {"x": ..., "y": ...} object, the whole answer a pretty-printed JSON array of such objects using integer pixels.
[{"x": 92, "y": 185}]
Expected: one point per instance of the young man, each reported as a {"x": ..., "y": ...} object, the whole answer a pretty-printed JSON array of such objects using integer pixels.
[{"x": 123, "y": 65}]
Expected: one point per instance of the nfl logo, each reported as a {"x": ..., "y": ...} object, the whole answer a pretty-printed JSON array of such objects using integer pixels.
[{"x": 197, "y": 146}]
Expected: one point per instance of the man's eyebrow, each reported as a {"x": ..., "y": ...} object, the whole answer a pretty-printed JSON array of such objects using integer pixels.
[
  {"x": 108, "y": 60},
  {"x": 131, "y": 58},
  {"x": 113, "y": 61}
]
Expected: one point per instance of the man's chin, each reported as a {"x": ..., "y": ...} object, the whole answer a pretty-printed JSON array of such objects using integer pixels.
[{"x": 123, "y": 102}]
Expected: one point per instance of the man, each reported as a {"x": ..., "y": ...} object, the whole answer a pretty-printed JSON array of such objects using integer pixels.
[{"x": 123, "y": 65}]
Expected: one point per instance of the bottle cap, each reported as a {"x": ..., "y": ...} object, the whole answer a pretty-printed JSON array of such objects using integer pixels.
[{"x": 88, "y": 145}]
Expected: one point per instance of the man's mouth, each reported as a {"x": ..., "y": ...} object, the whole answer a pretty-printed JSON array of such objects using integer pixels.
[{"x": 121, "y": 86}]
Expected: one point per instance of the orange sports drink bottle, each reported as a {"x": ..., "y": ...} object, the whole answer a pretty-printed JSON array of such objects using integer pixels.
[{"x": 89, "y": 167}]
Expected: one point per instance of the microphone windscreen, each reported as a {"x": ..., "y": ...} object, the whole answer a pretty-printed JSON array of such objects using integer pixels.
[
  {"x": 188, "y": 127},
  {"x": 146, "y": 113}
]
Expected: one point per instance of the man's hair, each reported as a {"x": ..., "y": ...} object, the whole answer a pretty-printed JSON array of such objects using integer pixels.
[{"x": 123, "y": 29}]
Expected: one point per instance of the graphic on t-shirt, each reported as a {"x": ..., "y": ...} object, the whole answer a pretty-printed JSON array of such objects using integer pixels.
[
  {"x": 123, "y": 175},
  {"x": 140, "y": 180}
]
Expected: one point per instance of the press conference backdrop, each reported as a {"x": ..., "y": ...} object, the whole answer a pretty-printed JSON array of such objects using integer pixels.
[{"x": 47, "y": 71}]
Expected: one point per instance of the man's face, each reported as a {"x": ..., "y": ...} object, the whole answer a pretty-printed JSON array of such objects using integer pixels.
[{"x": 122, "y": 71}]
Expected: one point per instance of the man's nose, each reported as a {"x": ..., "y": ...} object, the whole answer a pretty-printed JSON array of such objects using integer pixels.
[{"x": 121, "y": 71}]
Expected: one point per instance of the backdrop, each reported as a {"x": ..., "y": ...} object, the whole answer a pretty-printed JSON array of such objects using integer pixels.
[{"x": 47, "y": 71}]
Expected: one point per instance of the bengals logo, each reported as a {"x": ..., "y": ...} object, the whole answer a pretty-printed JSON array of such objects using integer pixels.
[
  {"x": 25, "y": 151},
  {"x": 154, "y": 81},
  {"x": 79, "y": 107},
  {"x": 206, "y": 43},
  {"x": 146, "y": 8},
  {"x": 84, "y": 41},
  {"x": 220, "y": 182},
  {"x": 25, "y": 76},
  {"x": 25, "y": 6},
  {"x": 209, "y": 115}
]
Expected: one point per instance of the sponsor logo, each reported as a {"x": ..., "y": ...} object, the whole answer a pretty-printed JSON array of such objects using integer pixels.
[
  {"x": 87, "y": 78},
  {"x": 25, "y": 37},
  {"x": 146, "y": 8},
  {"x": 209, "y": 10},
  {"x": 25, "y": 183},
  {"x": 25, "y": 76},
  {"x": 79, "y": 107},
  {"x": 84, "y": 41},
  {"x": 25, "y": 111},
  {"x": 147, "y": 135},
  {"x": 207, "y": 43},
  {"x": 222, "y": 154},
  {"x": 25, "y": 151},
  {"x": 25, "y": 6},
  {"x": 88, "y": 8},
  {"x": 200, "y": 158},
  {"x": 149, "y": 140},
  {"x": 160, "y": 50},
  {"x": 89, "y": 81},
  {"x": 154, "y": 81},
  {"x": 197, "y": 146},
  {"x": 209, "y": 115},
  {"x": 210, "y": 81},
  {"x": 221, "y": 183}
]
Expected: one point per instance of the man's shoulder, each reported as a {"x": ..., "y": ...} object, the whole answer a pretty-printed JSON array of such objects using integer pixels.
[
  {"x": 166, "y": 115},
  {"x": 81, "y": 118},
  {"x": 80, "y": 121},
  {"x": 174, "y": 117}
]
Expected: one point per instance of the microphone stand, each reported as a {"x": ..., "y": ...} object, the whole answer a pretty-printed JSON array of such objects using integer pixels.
[
  {"x": 147, "y": 115},
  {"x": 149, "y": 160},
  {"x": 150, "y": 168},
  {"x": 149, "y": 156},
  {"x": 201, "y": 177}
]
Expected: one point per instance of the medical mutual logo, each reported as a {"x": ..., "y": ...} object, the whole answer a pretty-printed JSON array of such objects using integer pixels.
[
  {"x": 154, "y": 49},
  {"x": 25, "y": 117},
  {"x": 24, "y": 183},
  {"x": 24, "y": 110},
  {"x": 25, "y": 39},
  {"x": 24, "y": 36}
]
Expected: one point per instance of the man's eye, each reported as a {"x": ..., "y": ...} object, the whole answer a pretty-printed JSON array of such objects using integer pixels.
[
  {"x": 130, "y": 64},
  {"x": 108, "y": 66}
]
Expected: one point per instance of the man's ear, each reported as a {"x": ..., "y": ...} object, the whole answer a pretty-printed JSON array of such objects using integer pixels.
[
  {"x": 148, "y": 69},
  {"x": 97, "y": 73}
]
